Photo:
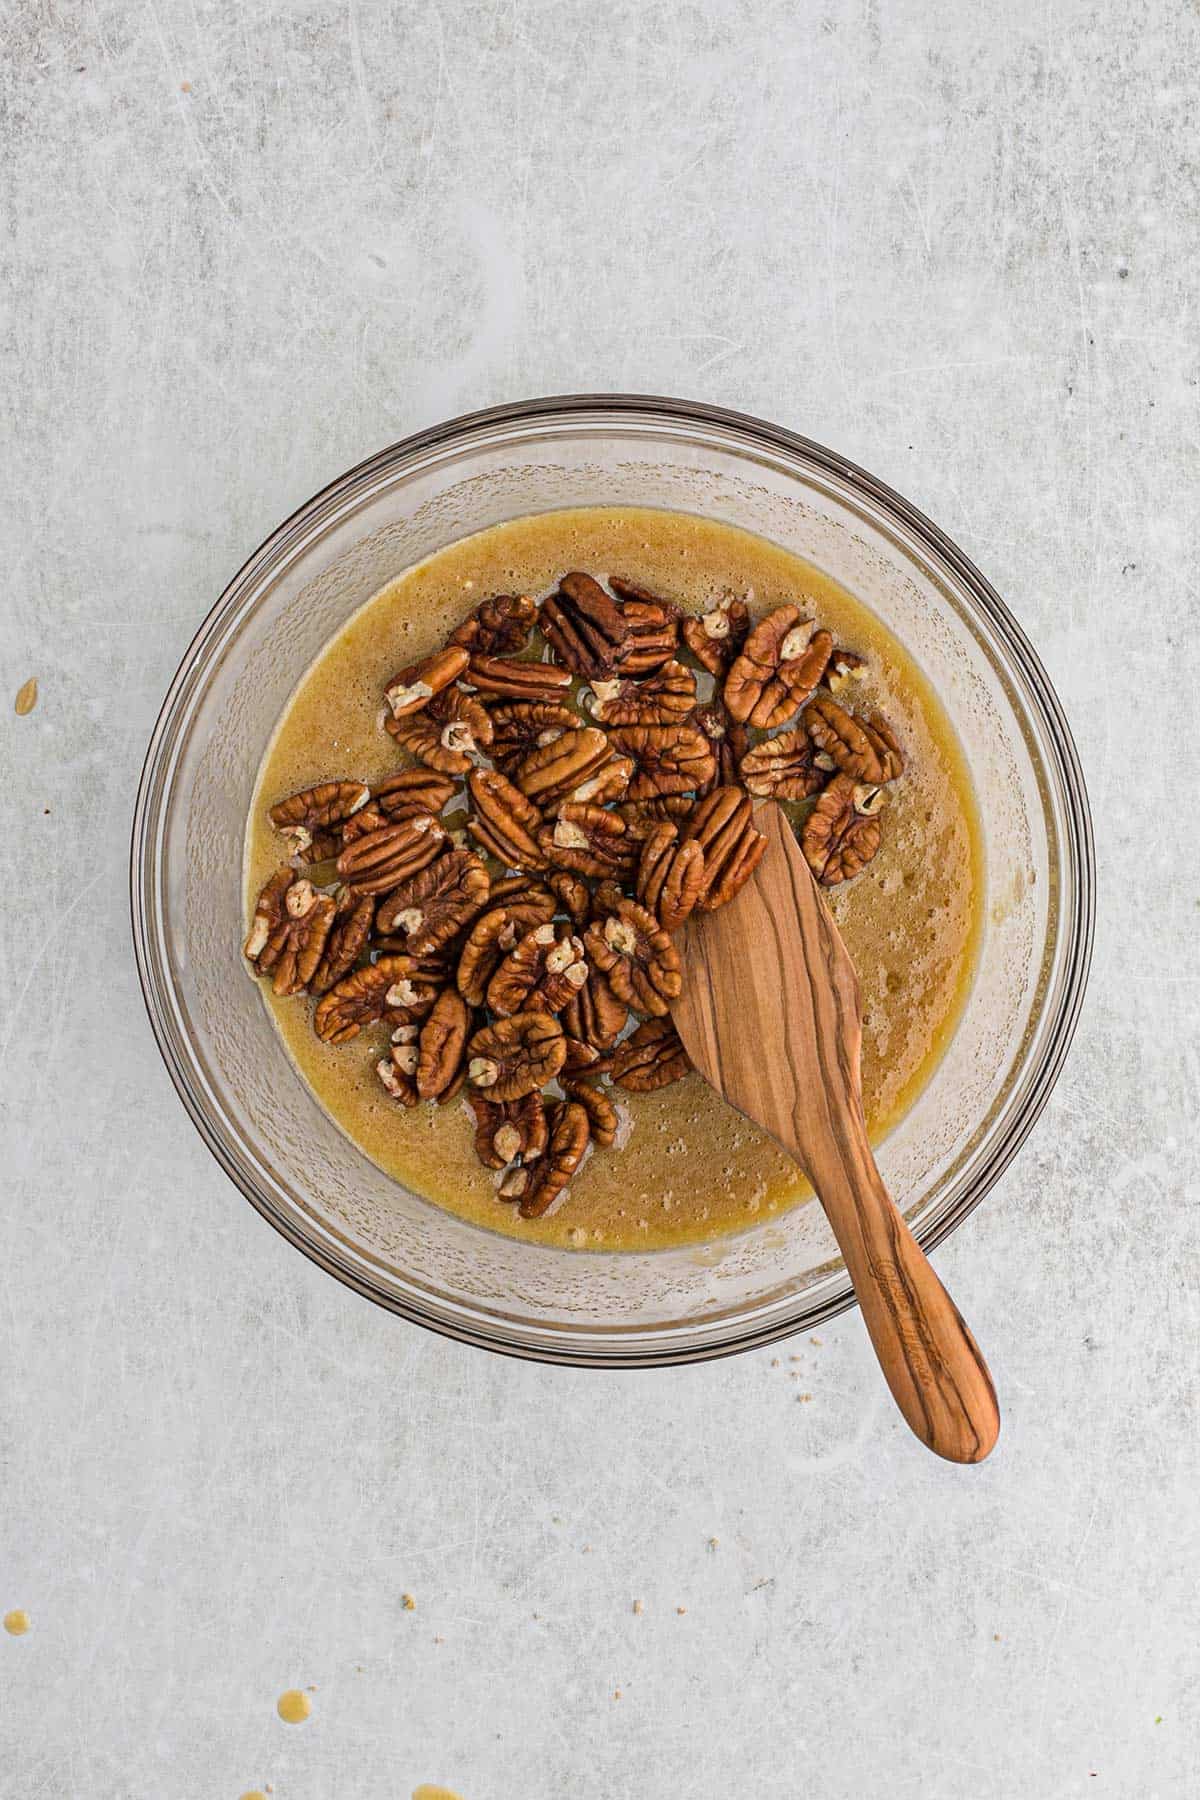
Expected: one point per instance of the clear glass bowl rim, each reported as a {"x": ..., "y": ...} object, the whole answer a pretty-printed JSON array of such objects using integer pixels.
[{"x": 1062, "y": 767}]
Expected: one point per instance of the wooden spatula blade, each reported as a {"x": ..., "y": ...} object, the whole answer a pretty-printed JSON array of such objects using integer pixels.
[
  {"x": 770, "y": 1015},
  {"x": 770, "y": 1011}
]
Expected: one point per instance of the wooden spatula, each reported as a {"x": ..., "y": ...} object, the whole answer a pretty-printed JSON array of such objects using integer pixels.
[{"x": 770, "y": 1015}]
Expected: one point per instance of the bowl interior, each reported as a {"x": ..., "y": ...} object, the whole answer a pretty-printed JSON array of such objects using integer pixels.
[{"x": 253, "y": 1107}]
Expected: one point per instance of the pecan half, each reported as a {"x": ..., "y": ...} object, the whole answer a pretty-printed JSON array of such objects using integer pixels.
[
  {"x": 270, "y": 912},
  {"x": 456, "y": 1086},
  {"x": 434, "y": 970},
  {"x": 651, "y": 1057},
  {"x": 442, "y": 1044},
  {"x": 528, "y": 1116},
  {"x": 487, "y": 943},
  {"x": 641, "y": 816},
  {"x": 433, "y": 905},
  {"x": 609, "y": 783},
  {"x": 398, "y": 1069},
  {"x": 543, "y": 971},
  {"x": 572, "y": 894},
  {"x": 641, "y": 963},
  {"x": 506, "y": 1131},
  {"x": 583, "y": 1059},
  {"x": 671, "y": 759},
  {"x": 558, "y": 764},
  {"x": 384, "y": 858},
  {"x": 414, "y": 985},
  {"x": 841, "y": 834},
  {"x": 392, "y": 986},
  {"x": 501, "y": 626},
  {"x": 353, "y": 917},
  {"x": 584, "y": 626},
  {"x": 314, "y": 814},
  {"x": 518, "y": 726},
  {"x": 843, "y": 666},
  {"x": 606, "y": 897},
  {"x": 359, "y": 825},
  {"x": 451, "y": 730},
  {"x": 653, "y": 628},
  {"x": 569, "y": 1132},
  {"x": 519, "y": 888},
  {"x": 602, "y": 1114},
  {"x": 415, "y": 686},
  {"x": 294, "y": 953},
  {"x": 288, "y": 933},
  {"x": 325, "y": 845},
  {"x": 510, "y": 679},
  {"x": 667, "y": 695},
  {"x": 513, "y": 1057},
  {"x": 596, "y": 1017},
  {"x": 504, "y": 821},
  {"x": 723, "y": 826},
  {"x": 490, "y": 939},
  {"x": 729, "y": 741},
  {"x": 715, "y": 637},
  {"x": 783, "y": 766},
  {"x": 411, "y": 791},
  {"x": 670, "y": 875},
  {"x": 864, "y": 749},
  {"x": 587, "y": 840},
  {"x": 780, "y": 664}
]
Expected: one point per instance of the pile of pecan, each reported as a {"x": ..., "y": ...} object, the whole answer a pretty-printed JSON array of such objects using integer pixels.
[{"x": 504, "y": 905}]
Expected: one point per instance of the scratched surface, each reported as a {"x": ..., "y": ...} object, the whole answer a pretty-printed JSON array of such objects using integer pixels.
[{"x": 245, "y": 245}]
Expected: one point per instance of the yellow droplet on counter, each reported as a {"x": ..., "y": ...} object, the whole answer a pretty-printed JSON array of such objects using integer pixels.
[
  {"x": 16, "y": 1623},
  {"x": 26, "y": 698},
  {"x": 408, "y": 1602},
  {"x": 425, "y": 1792},
  {"x": 253, "y": 1794},
  {"x": 293, "y": 1706}
]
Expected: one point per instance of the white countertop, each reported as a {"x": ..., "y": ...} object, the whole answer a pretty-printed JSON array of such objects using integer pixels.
[{"x": 243, "y": 247}]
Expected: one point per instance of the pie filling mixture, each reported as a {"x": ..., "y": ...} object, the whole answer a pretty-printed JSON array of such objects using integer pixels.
[{"x": 505, "y": 785}]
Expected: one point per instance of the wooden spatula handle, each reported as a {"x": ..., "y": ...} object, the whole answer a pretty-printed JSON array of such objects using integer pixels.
[
  {"x": 771, "y": 1015},
  {"x": 930, "y": 1360}
]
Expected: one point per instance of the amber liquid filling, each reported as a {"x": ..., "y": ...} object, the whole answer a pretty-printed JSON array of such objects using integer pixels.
[{"x": 692, "y": 1168}]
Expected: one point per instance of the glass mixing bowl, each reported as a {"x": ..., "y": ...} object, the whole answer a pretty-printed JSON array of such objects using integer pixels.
[{"x": 259, "y": 1118}]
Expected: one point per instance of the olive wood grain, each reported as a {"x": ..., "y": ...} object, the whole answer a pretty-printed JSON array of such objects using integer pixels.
[{"x": 771, "y": 1016}]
